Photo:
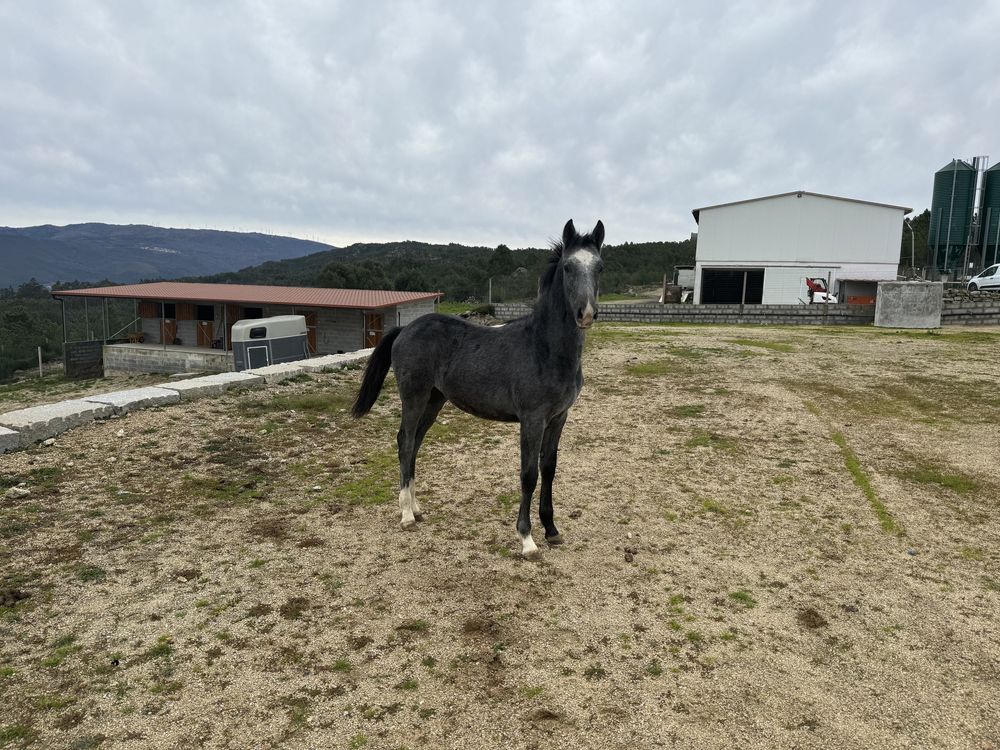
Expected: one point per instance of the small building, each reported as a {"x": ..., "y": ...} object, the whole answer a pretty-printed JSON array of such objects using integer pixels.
[
  {"x": 762, "y": 250},
  {"x": 186, "y": 327}
]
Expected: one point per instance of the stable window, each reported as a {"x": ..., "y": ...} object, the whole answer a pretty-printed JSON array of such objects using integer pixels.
[
  {"x": 258, "y": 333},
  {"x": 252, "y": 313},
  {"x": 206, "y": 312},
  {"x": 169, "y": 310}
]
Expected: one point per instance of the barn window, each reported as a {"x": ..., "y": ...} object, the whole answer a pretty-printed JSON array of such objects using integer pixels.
[
  {"x": 253, "y": 313},
  {"x": 206, "y": 312},
  {"x": 169, "y": 310}
]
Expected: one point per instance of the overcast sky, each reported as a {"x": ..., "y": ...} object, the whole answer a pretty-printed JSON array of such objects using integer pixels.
[{"x": 480, "y": 122}]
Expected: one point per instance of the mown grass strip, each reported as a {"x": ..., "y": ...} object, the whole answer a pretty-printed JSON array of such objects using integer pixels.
[{"x": 860, "y": 476}]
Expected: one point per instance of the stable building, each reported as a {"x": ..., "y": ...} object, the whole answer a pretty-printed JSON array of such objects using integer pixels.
[
  {"x": 762, "y": 250},
  {"x": 187, "y": 327}
]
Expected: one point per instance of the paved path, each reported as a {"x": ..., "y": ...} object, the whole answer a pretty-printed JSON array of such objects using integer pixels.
[{"x": 24, "y": 427}]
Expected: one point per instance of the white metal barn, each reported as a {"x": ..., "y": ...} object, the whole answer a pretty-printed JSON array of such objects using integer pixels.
[{"x": 772, "y": 244}]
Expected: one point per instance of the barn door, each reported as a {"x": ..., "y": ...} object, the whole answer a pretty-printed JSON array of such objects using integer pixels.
[
  {"x": 374, "y": 323},
  {"x": 168, "y": 331},
  {"x": 312, "y": 320},
  {"x": 232, "y": 315},
  {"x": 204, "y": 333}
]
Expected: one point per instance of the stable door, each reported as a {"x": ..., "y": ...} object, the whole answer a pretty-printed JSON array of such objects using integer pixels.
[{"x": 374, "y": 323}]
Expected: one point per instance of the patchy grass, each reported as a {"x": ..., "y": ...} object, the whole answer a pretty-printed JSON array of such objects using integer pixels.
[
  {"x": 213, "y": 582},
  {"x": 861, "y": 479},
  {"x": 773, "y": 346},
  {"x": 958, "y": 483},
  {"x": 688, "y": 411},
  {"x": 656, "y": 368},
  {"x": 706, "y": 439},
  {"x": 743, "y": 598},
  {"x": 375, "y": 482}
]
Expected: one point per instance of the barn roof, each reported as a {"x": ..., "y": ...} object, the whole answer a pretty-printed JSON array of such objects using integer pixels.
[
  {"x": 365, "y": 299},
  {"x": 697, "y": 211}
]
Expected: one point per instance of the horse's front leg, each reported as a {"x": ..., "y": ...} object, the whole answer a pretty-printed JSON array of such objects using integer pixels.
[
  {"x": 549, "y": 455},
  {"x": 531, "y": 442}
]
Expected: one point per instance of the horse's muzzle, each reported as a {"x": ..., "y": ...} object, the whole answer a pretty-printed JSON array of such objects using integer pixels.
[{"x": 585, "y": 317}]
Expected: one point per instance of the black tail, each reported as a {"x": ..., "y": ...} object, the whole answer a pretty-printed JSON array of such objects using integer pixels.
[{"x": 375, "y": 372}]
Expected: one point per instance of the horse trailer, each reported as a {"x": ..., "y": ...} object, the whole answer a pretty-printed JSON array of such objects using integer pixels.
[{"x": 269, "y": 341}]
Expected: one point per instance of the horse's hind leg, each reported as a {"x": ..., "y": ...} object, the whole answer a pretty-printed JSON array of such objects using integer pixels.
[
  {"x": 420, "y": 409},
  {"x": 549, "y": 454},
  {"x": 434, "y": 404}
]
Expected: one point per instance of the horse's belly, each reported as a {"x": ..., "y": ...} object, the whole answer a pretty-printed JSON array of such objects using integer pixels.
[{"x": 485, "y": 412}]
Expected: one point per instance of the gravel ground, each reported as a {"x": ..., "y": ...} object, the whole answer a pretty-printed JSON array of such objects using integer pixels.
[{"x": 776, "y": 537}]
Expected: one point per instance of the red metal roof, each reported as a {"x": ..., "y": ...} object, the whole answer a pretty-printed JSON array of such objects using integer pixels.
[{"x": 298, "y": 296}]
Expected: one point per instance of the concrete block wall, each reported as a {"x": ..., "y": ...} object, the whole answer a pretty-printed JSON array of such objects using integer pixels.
[
  {"x": 340, "y": 330},
  {"x": 408, "y": 313},
  {"x": 964, "y": 312},
  {"x": 719, "y": 314},
  {"x": 129, "y": 360}
]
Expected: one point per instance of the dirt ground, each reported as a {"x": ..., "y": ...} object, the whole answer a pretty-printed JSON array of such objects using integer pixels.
[{"x": 776, "y": 537}]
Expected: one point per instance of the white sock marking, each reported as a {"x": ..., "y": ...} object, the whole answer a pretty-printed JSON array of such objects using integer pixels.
[
  {"x": 528, "y": 547},
  {"x": 406, "y": 505}
]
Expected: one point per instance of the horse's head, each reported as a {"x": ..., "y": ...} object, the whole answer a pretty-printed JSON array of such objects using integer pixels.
[{"x": 582, "y": 265}]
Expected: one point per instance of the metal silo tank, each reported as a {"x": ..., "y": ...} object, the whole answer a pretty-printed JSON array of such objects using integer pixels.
[
  {"x": 951, "y": 212},
  {"x": 990, "y": 216}
]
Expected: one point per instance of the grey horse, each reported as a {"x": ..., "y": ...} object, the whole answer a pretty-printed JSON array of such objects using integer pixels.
[{"x": 526, "y": 371}]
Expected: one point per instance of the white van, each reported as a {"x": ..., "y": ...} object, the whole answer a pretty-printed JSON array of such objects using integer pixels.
[{"x": 988, "y": 279}]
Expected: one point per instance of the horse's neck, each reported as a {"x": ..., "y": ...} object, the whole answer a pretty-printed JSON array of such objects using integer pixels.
[{"x": 556, "y": 324}]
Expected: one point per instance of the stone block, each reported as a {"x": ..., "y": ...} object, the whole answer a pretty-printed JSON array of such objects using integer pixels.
[
  {"x": 909, "y": 304},
  {"x": 137, "y": 398},
  {"x": 212, "y": 385},
  {"x": 9, "y": 440},
  {"x": 278, "y": 373},
  {"x": 42, "y": 422},
  {"x": 334, "y": 361}
]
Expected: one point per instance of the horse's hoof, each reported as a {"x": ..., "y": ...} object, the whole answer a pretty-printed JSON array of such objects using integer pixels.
[
  {"x": 555, "y": 539},
  {"x": 418, "y": 516},
  {"x": 408, "y": 525},
  {"x": 532, "y": 555}
]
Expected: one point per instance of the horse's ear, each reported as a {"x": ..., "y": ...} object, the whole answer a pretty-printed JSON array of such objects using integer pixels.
[
  {"x": 569, "y": 234},
  {"x": 598, "y": 234}
]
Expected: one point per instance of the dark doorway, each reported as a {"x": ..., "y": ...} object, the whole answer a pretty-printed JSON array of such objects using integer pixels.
[{"x": 724, "y": 286}]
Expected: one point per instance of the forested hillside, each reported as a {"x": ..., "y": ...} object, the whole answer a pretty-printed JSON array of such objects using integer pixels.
[{"x": 460, "y": 272}]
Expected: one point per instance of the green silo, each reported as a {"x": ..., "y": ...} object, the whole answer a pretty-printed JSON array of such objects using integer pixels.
[
  {"x": 951, "y": 213},
  {"x": 990, "y": 220}
]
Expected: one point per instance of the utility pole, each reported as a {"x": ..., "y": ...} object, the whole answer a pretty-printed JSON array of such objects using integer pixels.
[{"x": 908, "y": 225}]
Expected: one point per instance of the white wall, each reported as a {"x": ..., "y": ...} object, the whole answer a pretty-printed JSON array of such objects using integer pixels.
[
  {"x": 803, "y": 230},
  {"x": 791, "y": 238}
]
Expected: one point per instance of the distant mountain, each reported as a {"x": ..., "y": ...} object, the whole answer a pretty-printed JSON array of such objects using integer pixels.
[{"x": 134, "y": 252}]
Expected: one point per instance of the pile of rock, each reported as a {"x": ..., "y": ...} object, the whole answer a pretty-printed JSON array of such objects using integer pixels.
[{"x": 964, "y": 295}]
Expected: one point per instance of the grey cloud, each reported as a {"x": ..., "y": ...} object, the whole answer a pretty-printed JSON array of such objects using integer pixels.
[{"x": 479, "y": 122}]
